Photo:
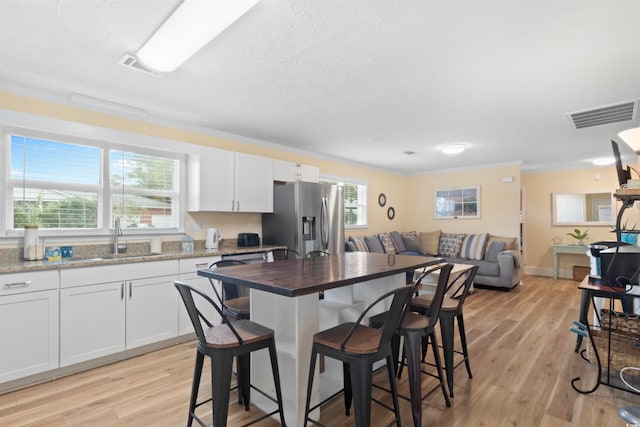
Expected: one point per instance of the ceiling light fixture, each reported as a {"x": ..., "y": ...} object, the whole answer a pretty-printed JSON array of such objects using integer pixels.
[
  {"x": 603, "y": 161},
  {"x": 191, "y": 26},
  {"x": 632, "y": 138},
  {"x": 453, "y": 148},
  {"x": 107, "y": 106}
]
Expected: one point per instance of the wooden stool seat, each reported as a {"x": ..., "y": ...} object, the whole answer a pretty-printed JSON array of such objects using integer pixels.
[
  {"x": 364, "y": 340},
  {"x": 239, "y": 307},
  {"x": 222, "y": 336},
  {"x": 424, "y": 301}
]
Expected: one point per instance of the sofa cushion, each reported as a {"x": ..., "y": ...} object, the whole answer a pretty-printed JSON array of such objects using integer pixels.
[
  {"x": 510, "y": 243},
  {"x": 387, "y": 243},
  {"x": 450, "y": 244},
  {"x": 411, "y": 241},
  {"x": 429, "y": 242},
  {"x": 359, "y": 243},
  {"x": 397, "y": 241},
  {"x": 373, "y": 243},
  {"x": 473, "y": 246},
  {"x": 349, "y": 246},
  {"x": 493, "y": 250}
]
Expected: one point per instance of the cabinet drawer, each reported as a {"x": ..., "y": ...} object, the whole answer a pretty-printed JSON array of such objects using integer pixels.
[
  {"x": 191, "y": 265},
  {"x": 17, "y": 283},
  {"x": 110, "y": 273}
]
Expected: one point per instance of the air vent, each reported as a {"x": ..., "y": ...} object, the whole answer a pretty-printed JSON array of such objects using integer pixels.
[
  {"x": 130, "y": 61},
  {"x": 615, "y": 113}
]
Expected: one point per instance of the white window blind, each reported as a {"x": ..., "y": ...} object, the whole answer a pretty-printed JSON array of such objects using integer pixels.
[
  {"x": 355, "y": 200},
  {"x": 55, "y": 185}
]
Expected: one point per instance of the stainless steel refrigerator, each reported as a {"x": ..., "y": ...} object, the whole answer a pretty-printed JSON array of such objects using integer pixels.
[{"x": 306, "y": 216}]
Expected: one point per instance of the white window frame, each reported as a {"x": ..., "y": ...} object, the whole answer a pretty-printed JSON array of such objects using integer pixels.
[
  {"x": 362, "y": 205},
  {"x": 60, "y": 130}
]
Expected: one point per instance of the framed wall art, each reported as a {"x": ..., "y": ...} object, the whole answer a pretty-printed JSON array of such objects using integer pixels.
[{"x": 457, "y": 203}]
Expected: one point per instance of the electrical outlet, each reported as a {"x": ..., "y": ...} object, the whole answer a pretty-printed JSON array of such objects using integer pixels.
[{"x": 194, "y": 226}]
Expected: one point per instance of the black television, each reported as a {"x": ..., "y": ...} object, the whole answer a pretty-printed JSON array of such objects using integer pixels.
[{"x": 624, "y": 173}]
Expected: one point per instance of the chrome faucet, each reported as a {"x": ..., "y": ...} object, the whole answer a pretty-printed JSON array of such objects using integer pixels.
[{"x": 117, "y": 231}]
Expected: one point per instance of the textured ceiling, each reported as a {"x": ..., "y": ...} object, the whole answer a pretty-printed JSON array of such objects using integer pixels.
[{"x": 357, "y": 80}]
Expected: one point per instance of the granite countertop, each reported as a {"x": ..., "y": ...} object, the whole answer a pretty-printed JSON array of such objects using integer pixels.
[{"x": 19, "y": 266}]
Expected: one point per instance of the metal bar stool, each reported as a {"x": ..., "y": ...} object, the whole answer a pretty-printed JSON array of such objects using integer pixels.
[
  {"x": 282, "y": 254},
  {"x": 233, "y": 305},
  {"x": 358, "y": 347},
  {"x": 451, "y": 310},
  {"x": 222, "y": 343},
  {"x": 417, "y": 329}
]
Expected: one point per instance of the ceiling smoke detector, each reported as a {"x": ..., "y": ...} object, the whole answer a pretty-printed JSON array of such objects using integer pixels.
[{"x": 614, "y": 113}]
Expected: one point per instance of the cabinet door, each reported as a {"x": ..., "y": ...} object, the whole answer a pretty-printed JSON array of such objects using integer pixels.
[
  {"x": 28, "y": 334},
  {"x": 92, "y": 322},
  {"x": 211, "y": 181},
  {"x": 253, "y": 183},
  {"x": 152, "y": 310},
  {"x": 284, "y": 171},
  {"x": 308, "y": 173},
  {"x": 202, "y": 284}
]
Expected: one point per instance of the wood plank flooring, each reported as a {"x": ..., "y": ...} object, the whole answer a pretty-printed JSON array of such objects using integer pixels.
[{"x": 521, "y": 355}]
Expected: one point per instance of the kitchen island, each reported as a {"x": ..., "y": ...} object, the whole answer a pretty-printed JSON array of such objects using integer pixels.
[{"x": 285, "y": 297}]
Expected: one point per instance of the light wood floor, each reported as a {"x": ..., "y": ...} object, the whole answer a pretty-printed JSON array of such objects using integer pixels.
[{"x": 521, "y": 355}]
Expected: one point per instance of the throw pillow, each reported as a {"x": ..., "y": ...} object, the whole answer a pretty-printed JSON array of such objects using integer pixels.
[
  {"x": 360, "y": 245},
  {"x": 397, "y": 241},
  {"x": 373, "y": 243},
  {"x": 493, "y": 250},
  {"x": 473, "y": 246},
  {"x": 429, "y": 242},
  {"x": 450, "y": 245},
  {"x": 349, "y": 246},
  {"x": 387, "y": 243},
  {"x": 510, "y": 243},
  {"x": 411, "y": 241}
]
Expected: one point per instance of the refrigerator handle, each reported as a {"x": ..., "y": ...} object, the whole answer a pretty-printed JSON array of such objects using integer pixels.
[{"x": 324, "y": 223}]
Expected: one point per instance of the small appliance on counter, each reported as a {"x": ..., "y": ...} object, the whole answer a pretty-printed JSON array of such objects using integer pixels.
[
  {"x": 213, "y": 238},
  {"x": 248, "y": 239}
]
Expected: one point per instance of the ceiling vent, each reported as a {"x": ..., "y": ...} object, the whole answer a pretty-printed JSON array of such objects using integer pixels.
[
  {"x": 614, "y": 113},
  {"x": 130, "y": 61}
]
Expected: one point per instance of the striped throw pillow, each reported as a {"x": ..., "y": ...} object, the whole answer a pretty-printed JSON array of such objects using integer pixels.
[
  {"x": 473, "y": 246},
  {"x": 360, "y": 245}
]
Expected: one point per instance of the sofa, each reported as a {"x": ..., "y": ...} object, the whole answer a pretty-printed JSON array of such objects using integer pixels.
[{"x": 498, "y": 258}]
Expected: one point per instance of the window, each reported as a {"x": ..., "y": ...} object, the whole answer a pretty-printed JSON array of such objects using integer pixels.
[
  {"x": 457, "y": 203},
  {"x": 61, "y": 184},
  {"x": 355, "y": 200},
  {"x": 143, "y": 189}
]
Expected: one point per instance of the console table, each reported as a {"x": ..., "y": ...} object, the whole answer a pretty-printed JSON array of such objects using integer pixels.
[{"x": 566, "y": 249}]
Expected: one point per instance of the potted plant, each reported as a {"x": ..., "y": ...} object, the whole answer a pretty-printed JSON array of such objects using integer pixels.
[{"x": 579, "y": 235}]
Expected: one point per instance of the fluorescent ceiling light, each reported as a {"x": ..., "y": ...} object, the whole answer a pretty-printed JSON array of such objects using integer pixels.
[
  {"x": 107, "y": 106},
  {"x": 192, "y": 25},
  {"x": 603, "y": 161},
  {"x": 453, "y": 148},
  {"x": 632, "y": 138}
]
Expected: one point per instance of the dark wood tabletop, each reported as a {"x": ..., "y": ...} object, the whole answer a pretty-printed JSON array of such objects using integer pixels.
[{"x": 293, "y": 278}]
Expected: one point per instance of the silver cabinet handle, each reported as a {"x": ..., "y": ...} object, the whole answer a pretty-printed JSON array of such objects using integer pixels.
[
  {"x": 24, "y": 284},
  {"x": 233, "y": 202},
  {"x": 121, "y": 291},
  {"x": 130, "y": 290},
  {"x": 238, "y": 206}
]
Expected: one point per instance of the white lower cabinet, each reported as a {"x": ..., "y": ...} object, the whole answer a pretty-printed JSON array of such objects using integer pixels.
[
  {"x": 189, "y": 275},
  {"x": 28, "y": 324},
  {"x": 98, "y": 319},
  {"x": 92, "y": 322}
]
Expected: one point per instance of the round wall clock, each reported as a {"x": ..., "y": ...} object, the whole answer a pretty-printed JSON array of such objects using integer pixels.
[
  {"x": 391, "y": 213},
  {"x": 382, "y": 199}
]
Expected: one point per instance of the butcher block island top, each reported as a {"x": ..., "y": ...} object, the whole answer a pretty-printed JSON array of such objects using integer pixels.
[{"x": 311, "y": 275}]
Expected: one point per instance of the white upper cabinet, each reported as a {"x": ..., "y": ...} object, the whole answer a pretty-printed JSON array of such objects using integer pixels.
[
  {"x": 224, "y": 181},
  {"x": 289, "y": 171}
]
